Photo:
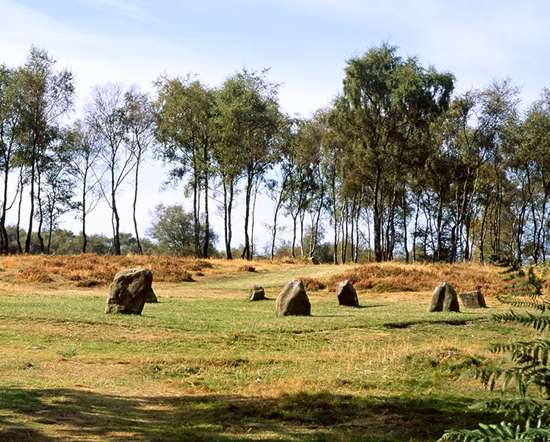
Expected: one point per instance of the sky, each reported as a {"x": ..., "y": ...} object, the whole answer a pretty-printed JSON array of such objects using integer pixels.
[{"x": 305, "y": 43}]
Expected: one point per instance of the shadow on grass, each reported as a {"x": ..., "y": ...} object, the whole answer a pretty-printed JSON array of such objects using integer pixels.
[
  {"x": 64, "y": 414},
  {"x": 407, "y": 324}
]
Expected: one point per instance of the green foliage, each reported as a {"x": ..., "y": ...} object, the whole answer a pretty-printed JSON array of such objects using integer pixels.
[
  {"x": 173, "y": 230},
  {"x": 503, "y": 432},
  {"x": 523, "y": 377}
]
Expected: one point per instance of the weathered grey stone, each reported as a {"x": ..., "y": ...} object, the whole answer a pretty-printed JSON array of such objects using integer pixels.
[
  {"x": 151, "y": 298},
  {"x": 473, "y": 299},
  {"x": 346, "y": 294},
  {"x": 293, "y": 300},
  {"x": 444, "y": 299},
  {"x": 257, "y": 293},
  {"x": 129, "y": 291}
]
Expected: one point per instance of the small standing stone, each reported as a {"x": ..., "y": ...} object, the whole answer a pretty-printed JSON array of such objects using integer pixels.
[
  {"x": 129, "y": 291},
  {"x": 473, "y": 299},
  {"x": 444, "y": 299},
  {"x": 293, "y": 300},
  {"x": 257, "y": 293},
  {"x": 346, "y": 294}
]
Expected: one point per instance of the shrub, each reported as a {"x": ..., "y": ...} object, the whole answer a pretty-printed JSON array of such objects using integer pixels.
[
  {"x": 88, "y": 283},
  {"x": 186, "y": 276},
  {"x": 313, "y": 284},
  {"x": 526, "y": 408},
  {"x": 247, "y": 268}
]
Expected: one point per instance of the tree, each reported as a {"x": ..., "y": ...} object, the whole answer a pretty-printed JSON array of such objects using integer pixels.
[
  {"x": 10, "y": 118},
  {"x": 174, "y": 231},
  {"x": 141, "y": 129},
  {"x": 278, "y": 187},
  {"x": 303, "y": 157},
  {"x": 58, "y": 185},
  {"x": 107, "y": 117},
  {"x": 84, "y": 158},
  {"x": 388, "y": 98},
  {"x": 45, "y": 96},
  {"x": 534, "y": 157},
  {"x": 248, "y": 122},
  {"x": 185, "y": 112}
]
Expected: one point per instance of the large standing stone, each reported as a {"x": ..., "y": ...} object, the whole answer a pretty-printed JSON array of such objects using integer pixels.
[
  {"x": 444, "y": 299},
  {"x": 129, "y": 291},
  {"x": 473, "y": 299},
  {"x": 293, "y": 300},
  {"x": 346, "y": 294},
  {"x": 257, "y": 293}
]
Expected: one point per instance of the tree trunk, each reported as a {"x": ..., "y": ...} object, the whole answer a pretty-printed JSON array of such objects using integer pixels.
[
  {"x": 352, "y": 233},
  {"x": 31, "y": 196},
  {"x": 253, "y": 221},
  {"x": 134, "y": 205},
  {"x": 482, "y": 233},
  {"x": 18, "y": 224},
  {"x": 335, "y": 218},
  {"x": 294, "y": 228},
  {"x": 302, "y": 216},
  {"x": 275, "y": 218},
  {"x": 115, "y": 219},
  {"x": 84, "y": 202},
  {"x": 3, "y": 231},
  {"x": 50, "y": 230},
  {"x": 377, "y": 219},
  {"x": 40, "y": 210},
  {"x": 438, "y": 254},
  {"x": 315, "y": 234},
  {"x": 196, "y": 221},
  {"x": 206, "y": 244},
  {"x": 228, "y": 208},
  {"x": 248, "y": 196},
  {"x": 405, "y": 225},
  {"x": 415, "y": 231},
  {"x": 357, "y": 231},
  {"x": 345, "y": 238}
]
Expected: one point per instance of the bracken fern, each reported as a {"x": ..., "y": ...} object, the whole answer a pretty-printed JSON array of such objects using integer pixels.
[{"x": 523, "y": 377}]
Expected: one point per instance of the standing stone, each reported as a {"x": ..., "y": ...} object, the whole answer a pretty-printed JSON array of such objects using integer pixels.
[
  {"x": 257, "y": 293},
  {"x": 346, "y": 294},
  {"x": 129, "y": 291},
  {"x": 151, "y": 297},
  {"x": 444, "y": 299},
  {"x": 473, "y": 299},
  {"x": 293, "y": 300}
]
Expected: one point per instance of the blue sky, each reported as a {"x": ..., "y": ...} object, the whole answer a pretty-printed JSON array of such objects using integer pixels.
[{"x": 304, "y": 42}]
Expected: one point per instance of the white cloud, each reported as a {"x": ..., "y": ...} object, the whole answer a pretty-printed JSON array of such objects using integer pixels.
[{"x": 127, "y": 7}]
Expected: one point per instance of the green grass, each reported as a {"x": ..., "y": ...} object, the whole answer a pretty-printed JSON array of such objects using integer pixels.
[{"x": 204, "y": 364}]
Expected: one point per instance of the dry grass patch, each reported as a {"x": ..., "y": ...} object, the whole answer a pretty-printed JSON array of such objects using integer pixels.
[
  {"x": 396, "y": 277},
  {"x": 90, "y": 270},
  {"x": 313, "y": 284},
  {"x": 247, "y": 268}
]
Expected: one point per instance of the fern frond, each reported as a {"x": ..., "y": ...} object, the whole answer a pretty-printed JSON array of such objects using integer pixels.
[
  {"x": 538, "y": 322},
  {"x": 519, "y": 410},
  {"x": 503, "y": 432},
  {"x": 510, "y": 300},
  {"x": 527, "y": 355}
]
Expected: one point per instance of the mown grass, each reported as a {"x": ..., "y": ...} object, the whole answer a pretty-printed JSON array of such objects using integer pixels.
[{"x": 204, "y": 364}]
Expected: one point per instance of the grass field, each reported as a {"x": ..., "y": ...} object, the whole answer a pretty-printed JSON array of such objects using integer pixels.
[{"x": 205, "y": 364}]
